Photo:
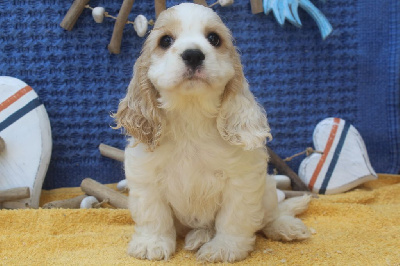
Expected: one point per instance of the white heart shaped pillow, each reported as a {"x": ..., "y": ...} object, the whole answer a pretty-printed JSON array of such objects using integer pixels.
[{"x": 344, "y": 163}]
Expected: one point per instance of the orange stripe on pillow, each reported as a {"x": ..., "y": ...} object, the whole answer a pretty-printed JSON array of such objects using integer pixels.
[
  {"x": 12, "y": 99},
  {"x": 325, "y": 154}
]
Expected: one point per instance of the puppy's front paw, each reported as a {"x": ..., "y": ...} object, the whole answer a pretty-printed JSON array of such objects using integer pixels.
[
  {"x": 151, "y": 247},
  {"x": 226, "y": 249},
  {"x": 197, "y": 237},
  {"x": 287, "y": 228}
]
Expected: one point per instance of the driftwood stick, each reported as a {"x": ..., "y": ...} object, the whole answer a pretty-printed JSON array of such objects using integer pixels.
[
  {"x": 201, "y": 2},
  {"x": 111, "y": 152},
  {"x": 14, "y": 194},
  {"x": 73, "y": 203},
  {"x": 73, "y": 14},
  {"x": 115, "y": 44},
  {"x": 159, "y": 5},
  {"x": 2, "y": 145},
  {"x": 292, "y": 194},
  {"x": 282, "y": 167},
  {"x": 102, "y": 192},
  {"x": 256, "y": 6},
  {"x": 296, "y": 182}
]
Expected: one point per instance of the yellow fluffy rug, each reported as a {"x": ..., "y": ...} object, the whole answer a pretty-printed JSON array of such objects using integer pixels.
[{"x": 360, "y": 227}]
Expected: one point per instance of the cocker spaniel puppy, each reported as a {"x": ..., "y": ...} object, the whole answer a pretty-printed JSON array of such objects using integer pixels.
[{"x": 196, "y": 163}]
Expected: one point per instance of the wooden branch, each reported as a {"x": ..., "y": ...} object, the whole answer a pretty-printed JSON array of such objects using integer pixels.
[
  {"x": 296, "y": 182},
  {"x": 14, "y": 194},
  {"x": 111, "y": 152},
  {"x": 102, "y": 192},
  {"x": 282, "y": 182},
  {"x": 15, "y": 205},
  {"x": 292, "y": 194},
  {"x": 201, "y": 2},
  {"x": 73, "y": 14},
  {"x": 2, "y": 145},
  {"x": 115, "y": 44},
  {"x": 159, "y": 5},
  {"x": 256, "y": 6},
  {"x": 73, "y": 203}
]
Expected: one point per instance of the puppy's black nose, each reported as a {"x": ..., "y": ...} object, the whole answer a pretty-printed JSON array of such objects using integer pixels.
[{"x": 193, "y": 57}]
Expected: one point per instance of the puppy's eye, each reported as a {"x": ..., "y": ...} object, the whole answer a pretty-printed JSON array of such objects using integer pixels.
[
  {"x": 214, "y": 39},
  {"x": 166, "y": 41}
]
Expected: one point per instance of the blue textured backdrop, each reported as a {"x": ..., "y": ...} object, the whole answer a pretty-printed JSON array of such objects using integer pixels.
[{"x": 299, "y": 78}]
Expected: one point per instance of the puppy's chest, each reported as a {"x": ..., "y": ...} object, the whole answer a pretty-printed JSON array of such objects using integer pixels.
[{"x": 193, "y": 179}]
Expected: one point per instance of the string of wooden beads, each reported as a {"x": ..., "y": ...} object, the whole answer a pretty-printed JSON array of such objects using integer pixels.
[{"x": 140, "y": 24}]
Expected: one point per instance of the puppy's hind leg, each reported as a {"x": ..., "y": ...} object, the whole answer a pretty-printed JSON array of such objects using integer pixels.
[{"x": 279, "y": 220}]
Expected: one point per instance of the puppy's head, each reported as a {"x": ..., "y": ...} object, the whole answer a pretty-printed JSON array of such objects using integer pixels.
[{"x": 190, "y": 52}]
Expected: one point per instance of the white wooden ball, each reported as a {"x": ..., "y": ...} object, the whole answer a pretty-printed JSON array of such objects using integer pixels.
[
  {"x": 122, "y": 185},
  {"x": 98, "y": 14},
  {"x": 88, "y": 202},
  {"x": 140, "y": 25},
  {"x": 225, "y": 2}
]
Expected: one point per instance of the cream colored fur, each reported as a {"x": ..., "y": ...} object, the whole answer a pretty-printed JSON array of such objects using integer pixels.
[{"x": 196, "y": 165}]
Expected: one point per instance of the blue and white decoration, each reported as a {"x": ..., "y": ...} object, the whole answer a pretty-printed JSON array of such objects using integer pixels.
[
  {"x": 344, "y": 162},
  {"x": 25, "y": 129},
  {"x": 287, "y": 10}
]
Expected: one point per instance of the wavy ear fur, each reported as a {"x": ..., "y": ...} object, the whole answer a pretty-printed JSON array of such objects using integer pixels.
[
  {"x": 138, "y": 112},
  {"x": 241, "y": 120}
]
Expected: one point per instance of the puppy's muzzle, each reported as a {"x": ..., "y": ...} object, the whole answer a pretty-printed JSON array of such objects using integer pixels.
[{"x": 193, "y": 58}]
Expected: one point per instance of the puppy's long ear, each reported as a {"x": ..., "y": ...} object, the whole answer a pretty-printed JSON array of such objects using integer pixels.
[
  {"x": 241, "y": 120},
  {"x": 138, "y": 112}
]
